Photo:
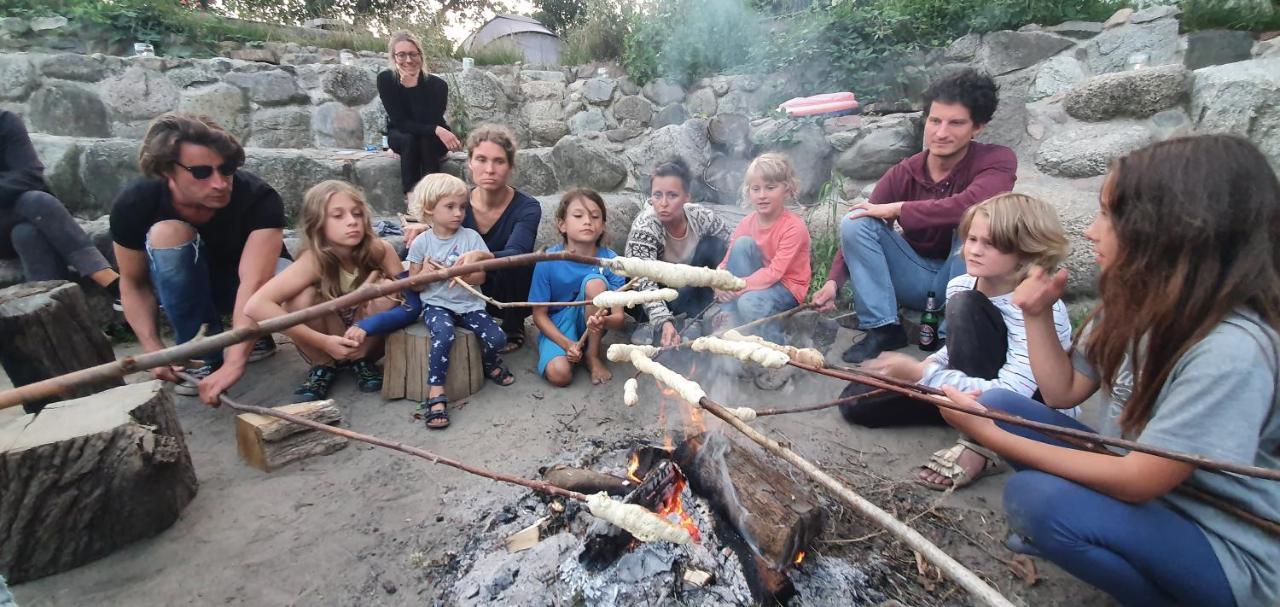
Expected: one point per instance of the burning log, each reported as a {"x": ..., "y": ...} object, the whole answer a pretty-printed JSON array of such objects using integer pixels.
[
  {"x": 605, "y": 543},
  {"x": 774, "y": 516},
  {"x": 586, "y": 481}
]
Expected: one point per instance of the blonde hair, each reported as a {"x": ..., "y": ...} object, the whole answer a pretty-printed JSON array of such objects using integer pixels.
[
  {"x": 431, "y": 190},
  {"x": 772, "y": 167},
  {"x": 1023, "y": 225},
  {"x": 496, "y": 134},
  {"x": 367, "y": 255},
  {"x": 397, "y": 38}
]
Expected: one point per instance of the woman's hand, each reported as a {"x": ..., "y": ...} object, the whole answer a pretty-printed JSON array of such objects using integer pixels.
[
  {"x": 896, "y": 365},
  {"x": 970, "y": 425},
  {"x": 1038, "y": 292},
  {"x": 339, "y": 347},
  {"x": 670, "y": 336},
  {"x": 449, "y": 140}
]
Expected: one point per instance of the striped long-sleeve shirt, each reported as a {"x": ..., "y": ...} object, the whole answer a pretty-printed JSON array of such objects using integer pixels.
[
  {"x": 647, "y": 240},
  {"x": 1015, "y": 375}
]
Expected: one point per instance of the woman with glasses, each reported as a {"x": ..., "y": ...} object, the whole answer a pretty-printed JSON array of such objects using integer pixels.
[
  {"x": 415, "y": 102},
  {"x": 675, "y": 230}
]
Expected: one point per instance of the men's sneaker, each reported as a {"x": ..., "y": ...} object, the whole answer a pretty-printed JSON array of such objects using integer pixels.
[
  {"x": 642, "y": 335},
  {"x": 877, "y": 340},
  {"x": 187, "y": 388},
  {"x": 368, "y": 376},
  {"x": 263, "y": 348},
  {"x": 319, "y": 379}
]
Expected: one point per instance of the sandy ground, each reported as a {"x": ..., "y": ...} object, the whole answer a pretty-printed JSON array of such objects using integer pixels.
[{"x": 353, "y": 528}]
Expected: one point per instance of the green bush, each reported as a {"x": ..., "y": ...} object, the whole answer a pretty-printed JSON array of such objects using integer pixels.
[
  {"x": 1248, "y": 15},
  {"x": 599, "y": 34},
  {"x": 688, "y": 39},
  {"x": 500, "y": 52}
]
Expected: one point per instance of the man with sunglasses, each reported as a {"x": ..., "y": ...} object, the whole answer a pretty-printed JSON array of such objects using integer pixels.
[{"x": 200, "y": 236}]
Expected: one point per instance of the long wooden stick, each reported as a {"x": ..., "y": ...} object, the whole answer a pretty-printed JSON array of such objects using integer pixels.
[
  {"x": 967, "y": 579},
  {"x": 1087, "y": 440},
  {"x": 848, "y": 400},
  {"x": 626, "y": 287},
  {"x": 179, "y": 354}
]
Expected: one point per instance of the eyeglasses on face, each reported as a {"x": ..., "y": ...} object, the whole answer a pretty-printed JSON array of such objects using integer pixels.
[
  {"x": 204, "y": 171},
  {"x": 407, "y": 56}
]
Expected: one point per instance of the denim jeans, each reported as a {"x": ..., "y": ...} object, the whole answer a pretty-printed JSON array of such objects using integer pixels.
[
  {"x": 180, "y": 277},
  {"x": 744, "y": 259},
  {"x": 1141, "y": 554},
  {"x": 46, "y": 239},
  {"x": 886, "y": 272}
]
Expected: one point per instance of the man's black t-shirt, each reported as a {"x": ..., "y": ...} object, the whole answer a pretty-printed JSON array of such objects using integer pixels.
[{"x": 254, "y": 206}]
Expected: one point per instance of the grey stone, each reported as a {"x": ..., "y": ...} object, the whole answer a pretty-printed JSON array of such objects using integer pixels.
[
  {"x": 13, "y": 26},
  {"x": 547, "y": 132},
  {"x": 1137, "y": 93},
  {"x": 1171, "y": 123},
  {"x": 61, "y": 159},
  {"x": 702, "y": 102},
  {"x": 337, "y": 126},
  {"x": 140, "y": 94},
  {"x": 579, "y": 162},
  {"x": 17, "y": 77},
  {"x": 224, "y": 103},
  {"x": 378, "y": 176},
  {"x": 1267, "y": 48},
  {"x": 1118, "y": 18},
  {"x": 1056, "y": 76},
  {"x": 1086, "y": 150},
  {"x": 624, "y": 133},
  {"x": 598, "y": 91},
  {"x": 11, "y": 272},
  {"x": 374, "y": 118},
  {"x": 1241, "y": 98},
  {"x": 1004, "y": 52},
  {"x": 535, "y": 172},
  {"x": 1110, "y": 50},
  {"x": 484, "y": 94},
  {"x": 964, "y": 48},
  {"x": 284, "y": 127},
  {"x": 271, "y": 87},
  {"x": 67, "y": 109},
  {"x": 588, "y": 120},
  {"x": 720, "y": 85},
  {"x": 843, "y": 140},
  {"x": 732, "y": 131},
  {"x": 106, "y": 166},
  {"x": 878, "y": 151},
  {"x": 1076, "y": 29},
  {"x": 806, "y": 147},
  {"x": 349, "y": 84},
  {"x": 44, "y": 24},
  {"x": 724, "y": 175},
  {"x": 1153, "y": 13},
  {"x": 672, "y": 114},
  {"x": 747, "y": 82},
  {"x": 190, "y": 75},
  {"x": 293, "y": 172},
  {"x": 738, "y": 100},
  {"x": 1216, "y": 47},
  {"x": 672, "y": 141},
  {"x": 543, "y": 90},
  {"x": 262, "y": 55},
  {"x": 663, "y": 91},
  {"x": 1009, "y": 124},
  {"x": 544, "y": 75},
  {"x": 627, "y": 87},
  {"x": 72, "y": 66},
  {"x": 633, "y": 107}
]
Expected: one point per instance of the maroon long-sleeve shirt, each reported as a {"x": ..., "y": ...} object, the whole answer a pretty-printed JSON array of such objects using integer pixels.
[{"x": 932, "y": 210}]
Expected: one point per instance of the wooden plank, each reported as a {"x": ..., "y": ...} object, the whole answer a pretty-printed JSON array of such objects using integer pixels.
[
  {"x": 415, "y": 381},
  {"x": 393, "y": 369}
]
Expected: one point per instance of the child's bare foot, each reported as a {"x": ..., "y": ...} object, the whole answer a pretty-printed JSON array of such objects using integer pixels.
[{"x": 599, "y": 370}]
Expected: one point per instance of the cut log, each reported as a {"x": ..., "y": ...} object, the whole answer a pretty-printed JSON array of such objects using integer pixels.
[
  {"x": 604, "y": 542},
  {"x": 586, "y": 481},
  {"x": 86, "y": 477},
  {"x": 47, "y": 332},
  {"x": 407, "y": 362},
  {"x": 773, "y": 515},
  {"x": 267, "y": 443}
]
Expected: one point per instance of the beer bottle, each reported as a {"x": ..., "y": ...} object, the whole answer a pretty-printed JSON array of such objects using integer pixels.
[{"x": 929, "y": 324}]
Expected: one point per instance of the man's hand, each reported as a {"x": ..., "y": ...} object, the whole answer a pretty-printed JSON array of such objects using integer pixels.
[
  {"x": 339, "y": 347},
  {"x": 824, "y": 300},
  {"x": 218, "y": 382},
  {"x": 896, "y": 365},
  {"x": 1038, "y": 291},
  {"x": 888, "y": 211},
  {"x": 166, "y": 373},
  {"x": 670, "y": 336},
  {"x": 448, "y": 139}
]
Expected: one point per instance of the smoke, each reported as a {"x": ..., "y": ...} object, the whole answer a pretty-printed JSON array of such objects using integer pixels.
[{"x": 695, "y": 37}]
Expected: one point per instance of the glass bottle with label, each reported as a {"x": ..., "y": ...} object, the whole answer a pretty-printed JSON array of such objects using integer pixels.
[{"x": 929, "y": 321}]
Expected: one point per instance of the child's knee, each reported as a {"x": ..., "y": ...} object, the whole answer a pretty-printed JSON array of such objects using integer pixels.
[
  {"x": 559, "y": 372},
  {"x": 596, "y": 286},
  {"x": 743, "y": 244}
]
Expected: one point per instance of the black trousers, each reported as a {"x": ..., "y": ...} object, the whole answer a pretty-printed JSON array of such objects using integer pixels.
[
  {"x": 708, "y": 253},
  {"x": 420, "y": 155},
  {"x": 977, "y": 344},
  {"x": 509, "y": 285}
]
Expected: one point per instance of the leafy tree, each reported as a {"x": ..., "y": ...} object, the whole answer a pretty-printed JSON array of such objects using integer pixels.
[
  {"x": 560, "y": 15},
  {"x": 380, "y": 15}
]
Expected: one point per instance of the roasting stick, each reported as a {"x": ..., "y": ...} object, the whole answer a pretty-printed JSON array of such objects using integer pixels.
[
  {"x": 643, "y": 524},
  {"x": 979, "y": 589},
  {"x": 849, "y": 400},
  {"x": 624, "y": 288}
]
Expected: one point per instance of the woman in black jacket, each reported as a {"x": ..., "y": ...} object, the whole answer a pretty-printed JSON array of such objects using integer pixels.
[{"x": 415, "y": 102}]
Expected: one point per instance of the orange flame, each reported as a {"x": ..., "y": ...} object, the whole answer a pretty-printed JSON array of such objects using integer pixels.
[
  {"x": 632, "y": 466},
  {"x": 672, "y": 509},
  {"x": 799, "y": 558}
]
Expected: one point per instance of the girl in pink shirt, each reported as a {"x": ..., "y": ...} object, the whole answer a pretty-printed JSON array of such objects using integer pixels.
[{"x": 770, "y": 249}]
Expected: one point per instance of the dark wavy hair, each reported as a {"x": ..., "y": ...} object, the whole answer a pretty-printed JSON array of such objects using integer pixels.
[
  {"x": 1197, "y": 226},
  {"x": 562, "y": 210},
  {"x": 167, "y": 133},
  {"x": 976, "y": 91},
  {"x": 675, "y": 167}
]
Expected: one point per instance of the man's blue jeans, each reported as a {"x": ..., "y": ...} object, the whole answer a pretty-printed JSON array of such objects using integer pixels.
[
  {"x": 886, "y": 272},
  {"x": 180, "y": 277},
  {"x": 744, "y": 259}
]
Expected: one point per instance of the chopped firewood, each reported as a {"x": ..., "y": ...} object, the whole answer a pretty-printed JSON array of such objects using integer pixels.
[
  {"x": 697, "y": 577},
  {"x": 526, "y": 538},
  {"x": 628, "y": 299},
  {"x": 267, "y": 443},
  {"x": 586, "y": 481},
  {"x": 674, "y": 274}
]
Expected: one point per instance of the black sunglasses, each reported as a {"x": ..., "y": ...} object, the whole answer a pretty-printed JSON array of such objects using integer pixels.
[{"x": 204, "y": 171}]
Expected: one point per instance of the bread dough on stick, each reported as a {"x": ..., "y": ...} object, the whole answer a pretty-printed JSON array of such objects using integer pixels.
[
  {"x": 621, "y": 353},
  {"x": 674, "y": 274},
  {"x": 630, "y": 392},
  {"x": 686, "y": 388},
  {"x": 627, "y": 299},
  {"x": 742, "y": 350},
  {"x": 643, "y": 524},
  {"x": 804, "y": 356}
]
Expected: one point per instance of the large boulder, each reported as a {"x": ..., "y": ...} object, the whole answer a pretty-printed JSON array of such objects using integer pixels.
[
  {"x": 1006, "y": 51},
  {"x": 620, "y": 211},
  {"x": 1216, "y": 47},
  {"x": 1110, "y": 50},
  {"x": 587, "y": 121},
  {"x": 293, "y": 172},
  {"x": 349, "y": 84},
  {"x": 732, "y": 132},
  {"x": 702, "y": 102},
  {"x": 672, "y": 114},
  {"x": 1080, "y": 30},
  {"x": 1087, "y": 150},
  {"x": 1137, "y": 93},
  {"x": 61, "y": 159},
  {"x": 225, "y": 104},
  {"x": 633, "y": 107},
  {"x": 202, "y": 72},
  {"x": 535, "y": 172},
  {"x": 484, "y": 94},
  {"x": 599, "y": 91},
  {"x": 580, "y": 162},
  {"x": 884, "y": 144},
  {"x": 1056, "y": 76},
  {"x": 17, "y": 77},
  {"x": 543, "y": 90},
  {"x": 1009, "y": 124},
  {"x": 663, "y": 92},
  {"x": 106, "y": 166},
  {"x": 807, "y": 148},
  {"x": 1241, "y": 98},
  {"x": 73, "y": 66},
  {"x": 67, "y": 109},
  {"x": 281, "y": 127},
  {"x": 687, "y": 142},
  {"x": 378, "y": 176},
  {"x": 724, "y": 177},
  {"x": 337, "y": 126},
  {"x": 269, "y": 87}
]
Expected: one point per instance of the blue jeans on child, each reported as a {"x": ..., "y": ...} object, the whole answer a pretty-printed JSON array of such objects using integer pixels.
[
  {"x": 440, "y": 321},
  {"x": 744, "y": 259},
  {"x": 1141, "y": 554},
  {"x": 886, "y": 272}
]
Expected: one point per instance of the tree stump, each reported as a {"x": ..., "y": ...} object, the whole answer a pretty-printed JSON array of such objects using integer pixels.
[
  {"x": 87, "y": 476},
  {"x": 47, "y": 332},
  {"x": 404, "y": 374}
]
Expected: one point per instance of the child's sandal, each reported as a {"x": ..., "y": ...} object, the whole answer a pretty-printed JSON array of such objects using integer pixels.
[
  {"x": 501, "y": 375},
  {"x": 428, "y": 413}
]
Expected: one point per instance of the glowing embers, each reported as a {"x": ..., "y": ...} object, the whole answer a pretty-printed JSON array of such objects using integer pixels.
[{"x": 672, "y": 508}]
